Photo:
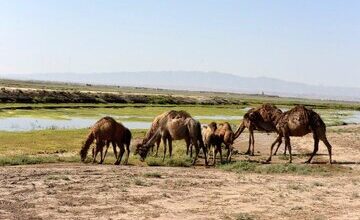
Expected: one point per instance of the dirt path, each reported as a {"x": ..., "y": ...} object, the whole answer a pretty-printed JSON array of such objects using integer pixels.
[{"x": 77, "y": 191}]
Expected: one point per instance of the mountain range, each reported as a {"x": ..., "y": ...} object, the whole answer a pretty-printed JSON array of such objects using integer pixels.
[{"x": 200, "y": 81}]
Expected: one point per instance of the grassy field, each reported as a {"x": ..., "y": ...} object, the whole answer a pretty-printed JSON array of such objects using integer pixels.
[{"x": 53, "y": 146}]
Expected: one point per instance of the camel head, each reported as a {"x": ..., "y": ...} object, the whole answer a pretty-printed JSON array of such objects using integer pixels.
[
  {"x": 213, "y": 126},
  {"x": 142, "y": 150}
]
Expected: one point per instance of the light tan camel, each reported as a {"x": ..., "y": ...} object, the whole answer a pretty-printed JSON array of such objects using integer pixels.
[
  {"x": 175, "y": 126},
  {"x": 298, "y": 122},
  {"x": 262, "y": 119},
  {"x": 162, "y": 119},
  {"x": 107, "y": 130}
]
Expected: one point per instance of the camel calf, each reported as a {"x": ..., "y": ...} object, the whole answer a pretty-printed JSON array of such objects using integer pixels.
[
  {"x": 212, "y": 140},
  {"x": 215, "y": 135},
  {"x": 227, "y": 137}
]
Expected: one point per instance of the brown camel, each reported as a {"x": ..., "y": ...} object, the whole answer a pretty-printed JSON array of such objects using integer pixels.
[
  {"x": 226, "y": 136},
  {"x": 104, "y": 131},
  {"x": 298, "y": 122},
  {"x": 177, "y": 125},
  {"x": 216, "y": 135},
  {"x": 212, "y": 140},
  {"x": 262, "y": 119}
]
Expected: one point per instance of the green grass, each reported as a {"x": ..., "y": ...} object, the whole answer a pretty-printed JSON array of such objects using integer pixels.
[
  {"x": 47, "y": 146},
  {"x": 299, "y": 169},
  {"x": 135, "y": 113},
  {"x": 36, "y": 159},
  {"x": 179, "y": 157},
  {"x": 176, "y": 161}
]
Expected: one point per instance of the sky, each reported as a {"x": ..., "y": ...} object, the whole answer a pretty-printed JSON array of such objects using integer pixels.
[{"x": 314, "y": 42}]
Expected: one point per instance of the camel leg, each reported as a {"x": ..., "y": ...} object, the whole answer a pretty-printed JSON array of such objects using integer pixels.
[
  {"x": 106, "y": 150},
  {"x": 279, "y": 143},
  {"x": 253, "y": 144},
  {"x": 220, "y": 151},
  {"x": 101, "y": 155},
  {"x": 165, "y": 146},
  {"x": 316, "y": 147},
  {"x": 191, "y": 149},
  {"x": 114, "y": 149},
  {"x": 95, "y": 153},
  {"x": 170, "y": 147},
  {"x": 127, "y": 154},
  {"x": 288, "y": 145},
  {"x": 197, "y": 150},
  {"x": 205, "y": 154},
  {"x": 97, "y": 148},
  {"x": 229, "y": 154},
  {"x": 329, "y": 147},
  {"x": 249, "y": 148},
  {"x": 215, "y": 150},
  {"x": 157, "y": 147},
  {"x": 187, "y": 142},
  {"x": 272, "y": 146},
  {"x": 122, "y": 151}
]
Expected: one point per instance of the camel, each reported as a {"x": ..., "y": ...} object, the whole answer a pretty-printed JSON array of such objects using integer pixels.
[
  {"x": 262, "y": 119},
  {"x": 215, "y": 135},
  {"x": 225, "y": 134},
  {"x": 298, "y": 122},
  {"x": 176, "y": 125},
  {"x": 104, "y": 131},
  {"x": 161, "y": 119},
  {"x": 212, "y": 140}
]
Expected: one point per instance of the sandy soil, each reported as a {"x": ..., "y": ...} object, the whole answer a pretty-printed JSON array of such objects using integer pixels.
[{"x": 79, "y": 191}]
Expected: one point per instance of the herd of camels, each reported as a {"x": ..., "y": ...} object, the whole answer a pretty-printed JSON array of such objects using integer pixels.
[{"x": 179, "y": 125}]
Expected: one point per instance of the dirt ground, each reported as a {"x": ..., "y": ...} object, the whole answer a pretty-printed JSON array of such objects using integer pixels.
[{"x": 81, "y": 191}]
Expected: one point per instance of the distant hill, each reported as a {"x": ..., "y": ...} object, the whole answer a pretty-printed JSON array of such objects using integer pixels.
[{"x": 204, "y": 81}]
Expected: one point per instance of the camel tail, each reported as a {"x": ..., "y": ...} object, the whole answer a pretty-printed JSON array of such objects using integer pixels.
[
  {"x": 86, "y": 146},
  {"x": 239, "y": 130},
  {"x": 200, "y": 138}
]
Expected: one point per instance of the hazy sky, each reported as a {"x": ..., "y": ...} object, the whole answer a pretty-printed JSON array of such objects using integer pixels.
[{"x": 316, "y": 42}]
